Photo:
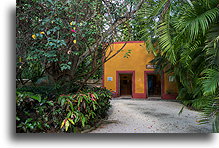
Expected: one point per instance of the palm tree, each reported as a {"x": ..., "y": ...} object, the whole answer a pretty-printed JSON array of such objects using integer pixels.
[{"x": 188, "y": 39}]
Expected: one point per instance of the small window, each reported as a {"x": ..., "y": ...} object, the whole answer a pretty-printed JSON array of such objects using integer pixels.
[
  {"x": 171, "y": 78},
  {"x": 109, "y": 78}
]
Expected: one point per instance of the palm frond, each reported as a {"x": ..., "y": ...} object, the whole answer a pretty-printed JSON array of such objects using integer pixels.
[
  {"x": 210, "y": 81},
  {"x": 164, "y": 36},
  {"x": 215, "y": 124},
  {"x": 159, "y": 8},
  {"x": 211, "y": 113},
  {"x": 193, "y": 23},
  {"x": 212, "y": 45}
]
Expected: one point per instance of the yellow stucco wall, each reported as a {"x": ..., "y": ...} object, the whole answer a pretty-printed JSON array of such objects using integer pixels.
[
  {"x": 169, "y": 87},
  {"x": 137, "y": 61}
]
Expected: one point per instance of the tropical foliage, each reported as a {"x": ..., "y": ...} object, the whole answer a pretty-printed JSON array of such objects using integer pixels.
[
  {"x": 62, "y": 44},
  {"x": 187, "y": 34},
  {"x": 83, "y": 108},
  {"x": 66, "y": 113}
]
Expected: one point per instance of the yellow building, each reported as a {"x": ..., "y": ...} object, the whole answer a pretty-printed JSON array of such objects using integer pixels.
[{"x": 130, "y": 73}]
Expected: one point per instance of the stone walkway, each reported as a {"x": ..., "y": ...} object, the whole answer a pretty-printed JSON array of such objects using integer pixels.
[{"x": 150, "y": 116}]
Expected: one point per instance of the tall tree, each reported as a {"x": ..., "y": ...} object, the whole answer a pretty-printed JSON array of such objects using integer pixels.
[{"x": 67, "y": 39}]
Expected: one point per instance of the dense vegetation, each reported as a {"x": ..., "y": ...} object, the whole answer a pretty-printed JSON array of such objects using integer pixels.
[
  {"x": 69, "y": 113},
  {"x": 61, "y": 44},
  {"x": 65, "y": 41},
  {"x": 187, "y": 37}
]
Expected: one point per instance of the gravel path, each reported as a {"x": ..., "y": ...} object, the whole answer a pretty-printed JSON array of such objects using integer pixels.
[{"x": 147, "y": 116}]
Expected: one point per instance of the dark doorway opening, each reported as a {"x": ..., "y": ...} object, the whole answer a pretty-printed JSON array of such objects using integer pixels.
[
  {"x": 154, "y": 85},
  {"x": 125, "y": 84}
]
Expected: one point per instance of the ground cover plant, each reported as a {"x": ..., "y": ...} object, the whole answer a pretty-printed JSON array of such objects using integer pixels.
[{"x": 65, "y": 113}]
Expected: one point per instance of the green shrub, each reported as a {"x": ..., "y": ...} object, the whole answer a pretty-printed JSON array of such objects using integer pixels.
[
  {"x": 84, "y": 108},
  {"x": 50, "y": 91},
  {"x": 104, "y": 100},
  {"x": 35, "y": 113}
]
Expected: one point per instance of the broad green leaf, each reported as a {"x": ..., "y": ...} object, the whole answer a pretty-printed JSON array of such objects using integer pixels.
[
  {"x": 50, "y": 103},
  {"x": 28, "y": 120}
]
